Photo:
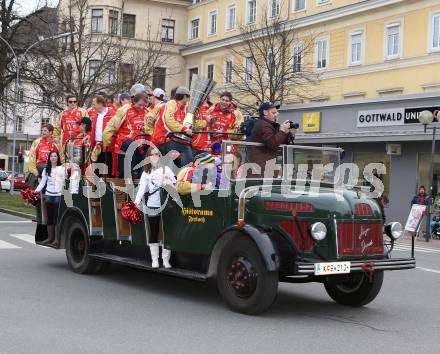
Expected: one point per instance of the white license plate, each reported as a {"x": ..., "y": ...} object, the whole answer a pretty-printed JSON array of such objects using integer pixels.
[{"x": 332, "y": 268}]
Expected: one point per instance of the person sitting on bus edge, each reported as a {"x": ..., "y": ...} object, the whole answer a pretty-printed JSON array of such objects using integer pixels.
[
  {"x": 153, "y": 109},
  {"x": 128, "y": 123},
  {"x": 40, "y": 149},
  {"x": 202, "y": 142},
  {"x": 271, "y": 134},
  {"x": 201, "y": 175},
  {"x": 53, "y": 179},
  {"x": 153, "y": 178}
]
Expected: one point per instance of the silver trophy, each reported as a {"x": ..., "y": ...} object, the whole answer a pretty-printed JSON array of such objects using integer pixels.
[{"x": 200, "y": 89}]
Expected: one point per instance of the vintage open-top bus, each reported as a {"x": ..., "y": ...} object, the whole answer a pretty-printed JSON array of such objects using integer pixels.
[{"x": 249, "y": 234}]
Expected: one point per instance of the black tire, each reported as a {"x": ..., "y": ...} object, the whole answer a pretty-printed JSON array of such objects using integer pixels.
[
  {"x": 260, "y": 288},
  {"x": 357, "y": 291},
  {"x": 77, "y": 249}
]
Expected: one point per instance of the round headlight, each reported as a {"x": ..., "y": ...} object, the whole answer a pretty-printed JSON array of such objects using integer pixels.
[
  {"x": 318, "y": 231},
  {"x": 394, "y": 230}
]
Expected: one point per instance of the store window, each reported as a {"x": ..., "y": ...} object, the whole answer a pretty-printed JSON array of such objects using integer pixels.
[
  {"x": 424, "y": 162},
  {"x": 362, "y": 159}
]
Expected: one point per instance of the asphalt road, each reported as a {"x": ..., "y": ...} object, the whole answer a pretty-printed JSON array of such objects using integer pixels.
[{"x": 46, "y": 308}]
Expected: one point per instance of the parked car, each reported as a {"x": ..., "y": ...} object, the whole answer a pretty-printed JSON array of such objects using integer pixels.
[
  {"x": 5, "y": 183},
  {"x": 19, "y": 180}
]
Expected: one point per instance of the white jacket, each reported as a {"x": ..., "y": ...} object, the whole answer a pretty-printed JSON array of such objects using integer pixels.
[{"x": 54, "y": 183}]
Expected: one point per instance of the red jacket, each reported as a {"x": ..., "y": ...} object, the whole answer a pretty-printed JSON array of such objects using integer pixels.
[
  {"x": 171, "y": 116},
  {"x": 93, "y": 115},
  {"x": 39, "y": 152}
]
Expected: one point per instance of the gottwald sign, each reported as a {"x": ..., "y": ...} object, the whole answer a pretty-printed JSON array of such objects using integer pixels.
[
  {"x": 381, "y": 117},
  {"x": 393, "y": 116}
]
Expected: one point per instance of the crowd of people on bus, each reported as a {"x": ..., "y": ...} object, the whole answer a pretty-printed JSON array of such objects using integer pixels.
[{"x": 111, "y": 125}]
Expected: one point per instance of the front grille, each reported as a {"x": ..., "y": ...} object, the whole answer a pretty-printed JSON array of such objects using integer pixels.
[
  {"x": 291, "y": 228},
  {"x": 357, "y": 239}
]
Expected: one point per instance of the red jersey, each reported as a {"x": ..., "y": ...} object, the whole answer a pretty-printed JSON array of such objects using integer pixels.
[
  {"x": 43, "y": 148},
  {"x": 171, "y": 116},
  {"x": 132, "y": 124},
  {"x": 68, "y": 123},
  {"x": 222, "y": 121},
  {"x": 202, "y": 141}
]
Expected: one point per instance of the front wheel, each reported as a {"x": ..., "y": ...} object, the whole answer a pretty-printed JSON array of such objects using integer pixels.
[
  {"x": 242, "y": 278},
  {"x": 358, "y": 290},
  {"x": 77, "y": 249}
]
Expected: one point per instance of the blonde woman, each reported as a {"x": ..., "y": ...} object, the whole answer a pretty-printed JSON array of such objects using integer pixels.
[{"x": 153, "y": 178}]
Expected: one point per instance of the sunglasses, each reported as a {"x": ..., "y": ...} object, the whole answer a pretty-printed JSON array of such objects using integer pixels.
[{"x": 72, "y": 101}]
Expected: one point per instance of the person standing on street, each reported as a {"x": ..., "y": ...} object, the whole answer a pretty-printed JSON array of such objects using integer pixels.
[
  {"x": 40, "y": 149},
  {"x": 53, "y": 179},
  {"x": 422, "y": 199},
  {"x": 153, "y": 178},
  {"x": 67, "y": 124}
]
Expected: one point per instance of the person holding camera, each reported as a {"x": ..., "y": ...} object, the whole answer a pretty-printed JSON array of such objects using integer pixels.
[{"x": 271, "y": 134}]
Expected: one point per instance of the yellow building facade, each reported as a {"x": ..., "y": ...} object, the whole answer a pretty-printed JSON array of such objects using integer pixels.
[{"x": 372, "y": 48}]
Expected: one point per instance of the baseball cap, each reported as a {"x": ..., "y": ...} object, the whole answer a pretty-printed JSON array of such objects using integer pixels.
[
  {"x": 268, "y": 105},
  {"x": 138, "y": 88},
  {"x": 204, "y": 157},
  {"x": 182, "y": 90},
  {"x": 124, "y": 96},
  {"x": 158, "y": 92}
]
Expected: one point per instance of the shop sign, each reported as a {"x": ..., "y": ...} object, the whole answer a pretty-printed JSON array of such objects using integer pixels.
[
  {"x": 381, "y": 118},
  {"x": 412, "y": 114},
  {"x": 312, "y": 122}
]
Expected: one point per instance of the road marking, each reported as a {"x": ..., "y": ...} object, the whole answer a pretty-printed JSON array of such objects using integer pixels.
[
  {"x": 429, "y": 270},
  {"x": 421, "y": 249},
  {"x": 6, "y": 245},
  {"x": 24, "y": 237},
  {"x": 14, "y": 221}
]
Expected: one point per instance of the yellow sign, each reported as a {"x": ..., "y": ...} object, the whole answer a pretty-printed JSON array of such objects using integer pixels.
[
  {"x": 197, "y": 215},
  {"x": 312, "y": 122}
]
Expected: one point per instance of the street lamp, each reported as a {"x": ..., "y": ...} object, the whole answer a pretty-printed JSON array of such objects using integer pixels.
[
  {"x": 426, "y": 118},
  {"x": 18, "y": 62}
]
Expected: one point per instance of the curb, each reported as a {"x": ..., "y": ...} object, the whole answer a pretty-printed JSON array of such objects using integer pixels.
[{"x": 17, "y": 213}]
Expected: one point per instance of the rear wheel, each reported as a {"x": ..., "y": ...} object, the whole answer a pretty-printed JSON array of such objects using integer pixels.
[
  {"x": 358, "y": 290},
  {"x": 77, "y": 249},
  {"x": 242, "y": 278}
]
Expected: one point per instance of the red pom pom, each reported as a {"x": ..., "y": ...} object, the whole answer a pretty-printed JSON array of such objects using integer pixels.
[
  {"x": 30, "y": 197},
  {"x": 131, "y": 213}
]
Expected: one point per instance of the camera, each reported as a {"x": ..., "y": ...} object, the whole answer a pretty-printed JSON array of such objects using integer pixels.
[{"x": 293, "y": 125}]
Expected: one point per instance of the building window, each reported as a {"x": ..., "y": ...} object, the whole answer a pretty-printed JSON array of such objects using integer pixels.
[
  {"x": 21, "y": 96},
  {"x": 128, "y": 25},
  {"x": 197, "y": 1},
  {"x": 356, "y": 47},
  {"x": 111, "y": 72},
  {"x": 97, "y": 17},
  {"x": 300, "y": 5},
  {"x": 435, "y": 32},
  {"x": 113, "y": 19},
  {"x": 249, "y": 67},
  {"x": 228, "y": 71},
  {"x": 168, "y": 30},
  {"x": 274, "y": 8},
  {"x": 321, "y": 53},
  {"x": 44, "y": 121},
  {"x": 194, "y": 28},
  {"x": 319, "y": 2},
  {"x": 298, "y": 51},
  {"x": 191, "y": 73},
  {"x": 230, "y": 17},
  {"x": 127, "y": 73},
  {"x": 94, "y": 68},
  {"x": 212, "y": 22},
  {"x": 210, "y": 71},
  {"x": 159, "y": 75},
  {"x": 19, "y": 124},
  {"x": 251, "y": 16},
  {"x": 392, "y": 39}
]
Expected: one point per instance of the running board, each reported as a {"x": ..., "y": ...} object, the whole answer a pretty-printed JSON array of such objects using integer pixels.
[{"x": 146, "y": 265}]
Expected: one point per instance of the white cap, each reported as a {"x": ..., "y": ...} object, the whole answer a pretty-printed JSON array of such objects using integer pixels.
[{"x": 158, "y": 92}]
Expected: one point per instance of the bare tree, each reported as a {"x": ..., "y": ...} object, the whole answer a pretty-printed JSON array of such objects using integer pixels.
[
  {"x": 91, "y": 61},
  {"x": 270, "y": 63}
]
